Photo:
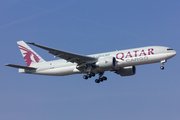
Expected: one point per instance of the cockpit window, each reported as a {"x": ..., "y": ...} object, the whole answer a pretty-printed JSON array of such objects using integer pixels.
[{"x": 169, "y": 49}]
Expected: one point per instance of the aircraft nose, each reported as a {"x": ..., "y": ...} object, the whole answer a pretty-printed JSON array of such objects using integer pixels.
[{"x": 174, "y": 53}]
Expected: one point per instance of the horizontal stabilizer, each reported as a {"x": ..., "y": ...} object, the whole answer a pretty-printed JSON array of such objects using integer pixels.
[{"x": 20, "y": 66}]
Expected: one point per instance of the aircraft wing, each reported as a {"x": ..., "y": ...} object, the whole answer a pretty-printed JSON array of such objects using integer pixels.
[{"x": 70, "y": 57}]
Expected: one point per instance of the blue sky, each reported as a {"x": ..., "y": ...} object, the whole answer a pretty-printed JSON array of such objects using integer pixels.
[{"x": 88, "y": 27}]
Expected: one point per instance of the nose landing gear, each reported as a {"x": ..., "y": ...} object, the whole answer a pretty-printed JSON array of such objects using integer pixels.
[
  {"x": 162, "y": 64},
  {"x": 162, "y": 67}
]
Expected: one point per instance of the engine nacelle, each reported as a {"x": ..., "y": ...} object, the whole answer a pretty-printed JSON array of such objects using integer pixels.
[
  {"x": 106, "y": 62},
  {"x": 126, "y": 71}
]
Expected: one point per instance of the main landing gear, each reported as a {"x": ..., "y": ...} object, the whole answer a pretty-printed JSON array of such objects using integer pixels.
[
  {"x": 101, "y": 79},
  {"x": 89, "y": 75},
  {"x": 162, "y": 64}
]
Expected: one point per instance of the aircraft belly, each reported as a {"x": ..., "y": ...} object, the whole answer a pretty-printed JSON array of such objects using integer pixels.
[{"x": 62, "y": 71}]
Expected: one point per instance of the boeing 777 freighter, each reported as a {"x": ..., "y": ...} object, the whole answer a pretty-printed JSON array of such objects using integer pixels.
[{"x": 121, "y": 62}]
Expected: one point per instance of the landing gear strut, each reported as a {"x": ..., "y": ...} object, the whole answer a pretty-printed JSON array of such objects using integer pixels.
[{"x": 162, "y": 64}]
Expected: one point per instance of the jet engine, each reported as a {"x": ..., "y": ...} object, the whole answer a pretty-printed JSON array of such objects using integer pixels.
[
  {"x": 106, "y": 62},
  {"x": 126, "y": 71}
]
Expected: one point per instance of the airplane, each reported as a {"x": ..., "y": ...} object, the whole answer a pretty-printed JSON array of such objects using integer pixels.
[{"x": 121, "y": 62}]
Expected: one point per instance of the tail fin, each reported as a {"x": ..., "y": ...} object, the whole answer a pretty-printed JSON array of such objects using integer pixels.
[{"x": 30, "y": 56}]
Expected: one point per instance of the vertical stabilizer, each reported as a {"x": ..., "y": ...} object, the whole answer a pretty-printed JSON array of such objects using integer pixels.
[{"x": 30, "y": 56}]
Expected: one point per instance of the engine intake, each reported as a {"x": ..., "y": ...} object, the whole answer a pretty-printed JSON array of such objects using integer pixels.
[
  {"x": 126, "y": 71},
  {"x": 106, "y": 62}
]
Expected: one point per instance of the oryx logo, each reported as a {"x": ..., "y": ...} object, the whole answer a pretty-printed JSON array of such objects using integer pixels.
[{"x": 28, "y": 55}]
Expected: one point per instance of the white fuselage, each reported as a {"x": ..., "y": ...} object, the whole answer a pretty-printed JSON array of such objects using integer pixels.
[{"x": 124, "y": 58}]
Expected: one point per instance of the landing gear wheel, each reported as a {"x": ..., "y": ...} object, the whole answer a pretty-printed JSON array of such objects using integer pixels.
[
  {"x": 85, "y": 77},
  {"x": 162, "y": 67},
  {"x": 100, "y": 79},
  {"x": 97, "y": 81},
  {"x": 104, "y": 78},
  {"x": 89, "y": 75},
  {"x": 93, "y": 74}
]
